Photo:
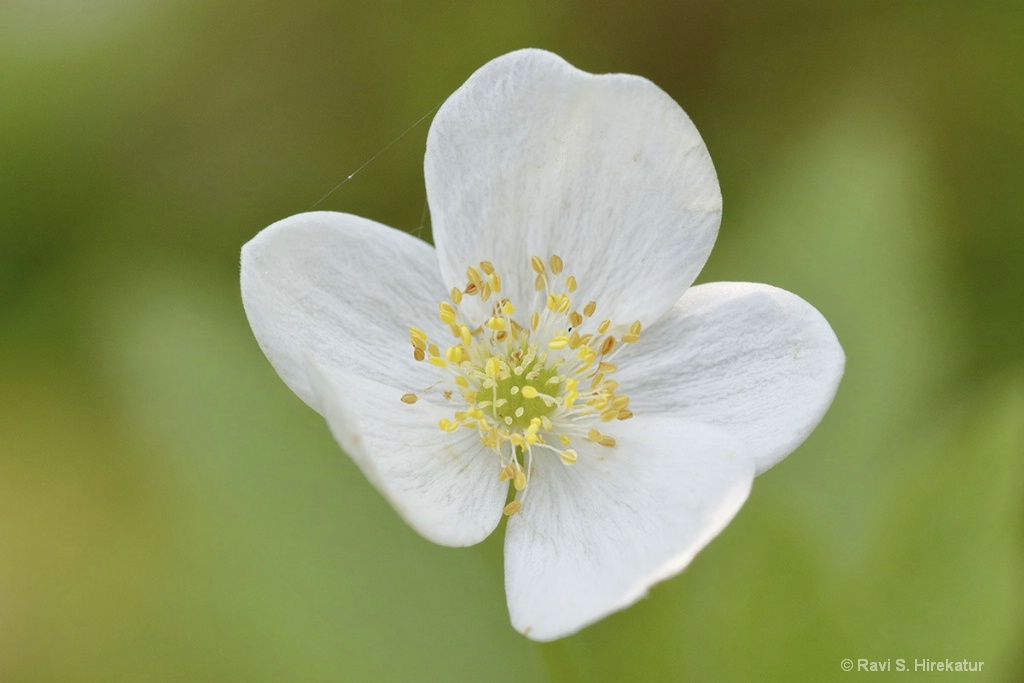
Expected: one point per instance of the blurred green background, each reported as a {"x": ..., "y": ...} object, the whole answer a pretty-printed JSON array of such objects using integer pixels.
[{"x": 169, "y": 511}]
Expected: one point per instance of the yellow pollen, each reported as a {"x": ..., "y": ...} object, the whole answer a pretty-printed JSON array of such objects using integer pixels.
[
  {"x": 526, "y": 384},
  {"x": 559, "y": 342},
  {"x": 446, "y": 313}
]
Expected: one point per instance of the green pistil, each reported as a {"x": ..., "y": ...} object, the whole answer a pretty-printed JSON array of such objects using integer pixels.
[{"x": 532, "y": 407}]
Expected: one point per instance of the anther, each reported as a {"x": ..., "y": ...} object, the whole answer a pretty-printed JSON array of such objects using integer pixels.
[
  {"x": 558, "y": 342},
  {"x": 446, "y": 313},
  {"x": 556, "y": 264},
  {"x": 512, "y": 508},
  {"x": 409, "y": 398}
]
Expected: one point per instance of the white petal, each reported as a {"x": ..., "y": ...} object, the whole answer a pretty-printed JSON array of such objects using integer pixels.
[
  {"x": 343, "y": 291},
  {"x": 444, "y": 485},
  {"x": 756, "y": 360},
  {"x": 532, "y": 156},
  {"x": 592, "y": 537}
]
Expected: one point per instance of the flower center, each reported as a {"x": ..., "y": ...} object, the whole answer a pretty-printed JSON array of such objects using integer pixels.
[{"x": 527, "y": 384}]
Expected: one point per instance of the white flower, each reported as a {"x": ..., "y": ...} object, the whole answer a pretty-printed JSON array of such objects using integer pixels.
[{"x": 569, "y": 361}]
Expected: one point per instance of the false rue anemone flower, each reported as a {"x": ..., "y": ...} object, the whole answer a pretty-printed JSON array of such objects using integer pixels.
[{"x": 548, "y": 361}]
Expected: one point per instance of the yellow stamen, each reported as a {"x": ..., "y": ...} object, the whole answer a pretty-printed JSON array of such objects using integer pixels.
[
  {"x": 559, "y": 342},
  {"x": 409, "y": 398}
]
